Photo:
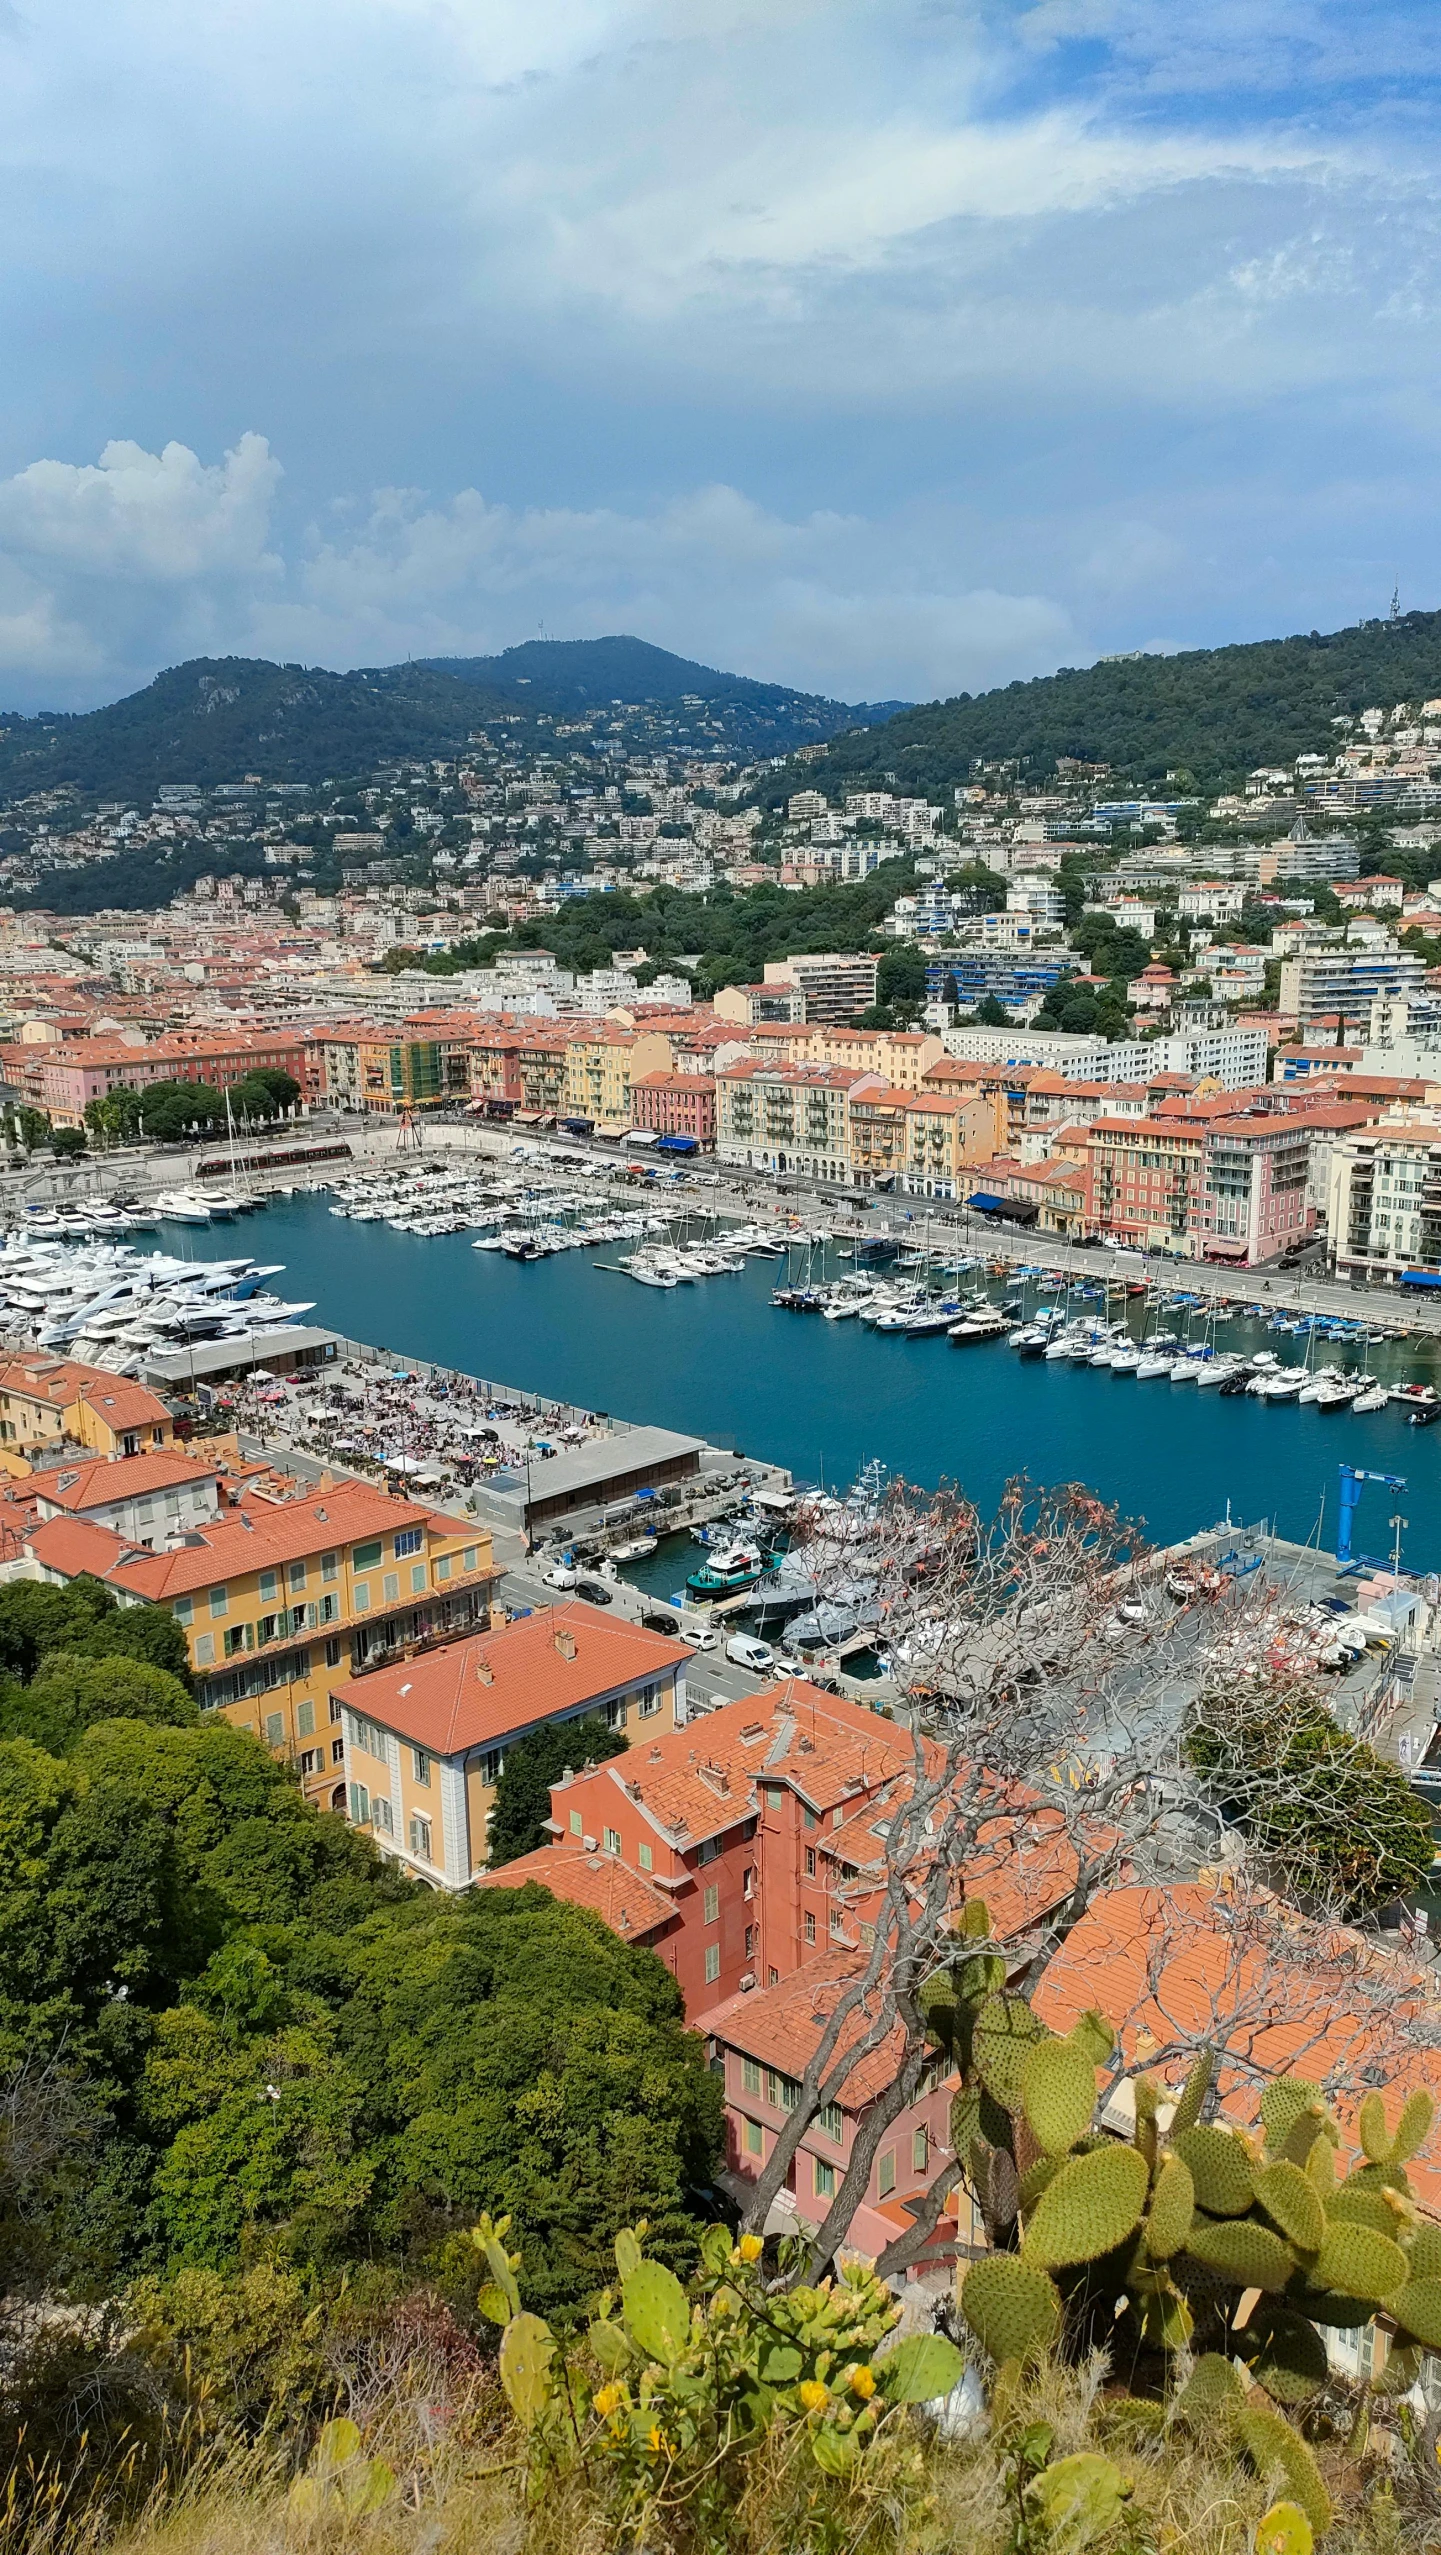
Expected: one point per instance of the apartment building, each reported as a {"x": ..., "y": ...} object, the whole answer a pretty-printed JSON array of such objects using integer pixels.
[
  {"x": 63, "y": 1079},
  {"x": 48, "y": 1404},
  {"x": 1254, "y": 1197},
  {"x": 746, "y": 1850},
  {"x": 920, "y": 1142},
  {"x": 675, "y": 1104},
  {"x": 425, "y": 1740},
  {"x": 1145, "y": 1175},
  {"x": 144, "y": 1498},
  {"x": 281, "y": 1600},
  {"x": 1346, "y": 982},
  {"x": 1383, "y": 1211},
  {"x": 787, "y": 1117},
  {"x": 597, "y": 1086},
  {"x": 835, "y": 985}
]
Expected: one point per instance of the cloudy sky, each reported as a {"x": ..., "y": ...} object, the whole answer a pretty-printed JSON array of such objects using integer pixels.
[{"x": 888, "y": 347}]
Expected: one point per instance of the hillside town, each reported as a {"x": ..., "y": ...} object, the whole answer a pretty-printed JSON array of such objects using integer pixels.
[{"x": 1208, "y": 1027}]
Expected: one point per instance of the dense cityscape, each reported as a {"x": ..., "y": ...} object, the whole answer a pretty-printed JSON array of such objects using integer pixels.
[{"x": 720, "y": 1280}]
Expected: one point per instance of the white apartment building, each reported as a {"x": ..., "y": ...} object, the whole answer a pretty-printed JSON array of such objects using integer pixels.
[{"x": 1384, "y": 1203}]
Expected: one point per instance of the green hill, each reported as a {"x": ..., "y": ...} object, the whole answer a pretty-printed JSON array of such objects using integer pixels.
[
  {"x": 591, "y": 673},
  {"x": 216, "y": 719},
  {"x": 1212, "y": 712}
]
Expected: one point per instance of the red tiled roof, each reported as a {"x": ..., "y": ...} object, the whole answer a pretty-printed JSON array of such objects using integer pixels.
[
  {"x": 1273, "y": 1990},
  {"x": 475, "y": 1692},
  {"x": 99, "y": 1482},
  {"x": 630, "y": 1905}
]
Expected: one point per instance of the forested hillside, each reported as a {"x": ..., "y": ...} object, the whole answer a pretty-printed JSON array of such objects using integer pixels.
[
  {"x": 1213, "y": 713},
  {"x": 217, "y": 719}
]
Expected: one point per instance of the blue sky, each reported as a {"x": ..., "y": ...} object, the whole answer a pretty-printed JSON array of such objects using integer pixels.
[{"x": 888, "y": 349}]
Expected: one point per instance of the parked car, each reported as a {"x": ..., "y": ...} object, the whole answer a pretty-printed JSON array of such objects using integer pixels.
[
  {"x": 661, "y": 1623},
  {"x": 744, "y": 1651},
  {"x": 700, "y": 1636},
  {"x": 594, "y": 1591},
  {"x": 560, "y": 1575}
]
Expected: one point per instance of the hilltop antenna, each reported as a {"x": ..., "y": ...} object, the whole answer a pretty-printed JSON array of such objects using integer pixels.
[{"x": 1396, "y": 601}]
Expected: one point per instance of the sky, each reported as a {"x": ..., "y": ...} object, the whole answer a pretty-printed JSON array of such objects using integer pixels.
[{"x": 891, "y": 348}]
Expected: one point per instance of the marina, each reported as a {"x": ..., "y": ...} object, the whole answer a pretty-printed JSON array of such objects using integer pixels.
[{"x": 823, "y": 1397}]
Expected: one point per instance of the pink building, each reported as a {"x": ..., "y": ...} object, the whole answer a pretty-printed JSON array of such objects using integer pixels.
[
  {"x": 675, "y": 1104},
  {"x": 64, "y": 1079}
]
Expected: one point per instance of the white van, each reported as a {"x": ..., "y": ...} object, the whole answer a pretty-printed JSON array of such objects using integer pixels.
[{"x": 745, "y": 1651}]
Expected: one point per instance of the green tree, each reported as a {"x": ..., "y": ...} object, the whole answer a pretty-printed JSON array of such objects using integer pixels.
[
  {"x": 532, "y": 1765},
  {"x": 990, "y": 1014},
  {"x": 67, "y": 1142},
  {"x": 68, "y": 1693},
  {"x": 32, "y": 1126},
  {"x": 1338, "y": 1826}
]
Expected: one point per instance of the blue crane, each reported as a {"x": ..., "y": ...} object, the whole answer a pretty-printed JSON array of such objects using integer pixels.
[{"x": 1351, "y": 1480}]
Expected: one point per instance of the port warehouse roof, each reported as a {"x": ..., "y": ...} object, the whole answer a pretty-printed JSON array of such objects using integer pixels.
[{"x": 606, "y": 1468}]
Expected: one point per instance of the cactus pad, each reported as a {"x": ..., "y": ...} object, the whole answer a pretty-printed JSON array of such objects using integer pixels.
[
  {"x": 657, "y": 2312},
  {"x": 1330, "y": 2306},
  {"x": 1243, "y": 2251},
  {"x": 1094, "y": 2035},
  {"x": 1093, "y": 2204},
  {"x": 1362, "y": 2205},
  {"x": 1213, "y": 2393},
  {"x": 1058, "y": 2093},
  {"x": 1320, "y": 2169},
  {"x": 1372, "y": 2131},
  {"x": 1173, "y": 2206},
  {"x": 1417, "y": 2308},
  {"x": 1005, "y": 2033},
  {"x": 1292, "y": 2203},
  {"x": 1285, "y": 2530},
  {"x": 1013, "y": 2309},
  {"x": 1283, "y": 2103},
  {"x": 1426, "y": 2254},
  {"x": 1270, "y": 2442},
  {"x": 527, "y": 2348},
  {"x": 1078, "y": 2499},
  {"x": 1285, "y": 2353},
  {"x": 1414, "y": 2126},
  {"x": 1220, "y": 2170},
  {"x": 1359, "y": 2262},
  {"x": 1193, "y": 2094},
  {"x": 1033, "y": 2183}
]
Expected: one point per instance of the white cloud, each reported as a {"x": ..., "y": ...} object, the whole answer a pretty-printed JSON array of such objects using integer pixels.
[
  {"x": 158, "y": 517},
  {"x": 144, "y": 558}
]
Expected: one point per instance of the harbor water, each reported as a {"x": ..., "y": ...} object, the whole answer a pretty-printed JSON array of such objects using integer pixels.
[{"x": 718, "y": 1360}]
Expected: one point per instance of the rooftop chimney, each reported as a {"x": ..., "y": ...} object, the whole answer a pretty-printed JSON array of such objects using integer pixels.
[
  {"x": 485, "y": 1672},
  {"x": 565, "y": 1643}
]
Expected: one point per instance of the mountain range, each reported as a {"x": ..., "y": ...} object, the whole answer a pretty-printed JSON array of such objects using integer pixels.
[
  {"x": 1201, "y": 718},
  {"x": 216, "y": 719}
]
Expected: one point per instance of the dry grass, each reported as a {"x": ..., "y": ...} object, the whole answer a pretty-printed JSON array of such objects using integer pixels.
[{"x": 460, "y": 2491}]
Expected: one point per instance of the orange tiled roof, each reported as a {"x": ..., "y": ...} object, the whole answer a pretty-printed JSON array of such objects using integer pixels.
[
  {"x": 475, "y": 1692},
  {"x": 240, "y": 1540},
  {"x": 99, "y": 1482},
  {"x": 630, "y": 1905},
  {"x": 1273, "y": 1990}
]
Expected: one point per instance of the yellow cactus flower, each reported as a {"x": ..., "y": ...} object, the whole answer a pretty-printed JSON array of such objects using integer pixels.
[
  {"x": 751, "y": 2248},
  {"x": 863, "y": 2381},
  {"x": 813, "y": 2395},
  {"x": 655, "y": 2439},
  {"x": 609, "y": 2397}
]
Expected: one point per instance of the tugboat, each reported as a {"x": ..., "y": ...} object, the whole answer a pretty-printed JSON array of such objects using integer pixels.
[{"x": 734, "y": 1568}]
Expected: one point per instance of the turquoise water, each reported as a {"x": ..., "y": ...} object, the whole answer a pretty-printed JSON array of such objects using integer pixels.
[{"x": 718, "y": 1360}]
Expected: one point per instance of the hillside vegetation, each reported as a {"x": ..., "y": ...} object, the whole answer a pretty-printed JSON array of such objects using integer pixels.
[
  {"x": 1213, "y": 713},
  {"x": 217, "y": 719}
]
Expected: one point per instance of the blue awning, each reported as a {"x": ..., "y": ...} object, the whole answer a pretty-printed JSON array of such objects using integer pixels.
[
  {"x": 1421, "y": 1277},
  {"x": 982, "y": 1199}
]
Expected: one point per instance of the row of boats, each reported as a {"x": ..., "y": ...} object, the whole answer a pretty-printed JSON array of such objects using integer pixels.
[
  {"x": 1261, "y": 1374},
  {"x": 111, "y": 1306}
]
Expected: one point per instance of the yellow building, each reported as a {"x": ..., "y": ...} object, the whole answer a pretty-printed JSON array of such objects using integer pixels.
[
  {"x": 48, "y": 1403},
  {"x": 598, "y": 1068},
  {"x": 281, "y": 1601},
  {"x": 425, "y": 1742}
]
